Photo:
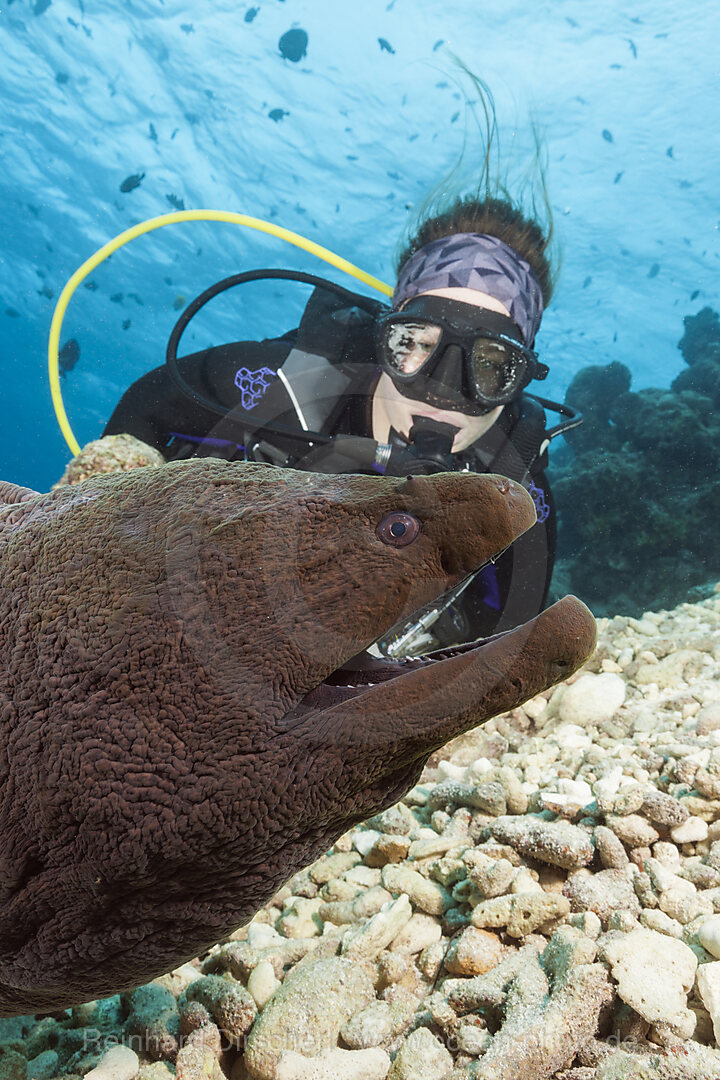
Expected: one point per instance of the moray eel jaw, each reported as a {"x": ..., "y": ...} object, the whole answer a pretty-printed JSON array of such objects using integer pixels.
[{"x": 385, "y": 717}]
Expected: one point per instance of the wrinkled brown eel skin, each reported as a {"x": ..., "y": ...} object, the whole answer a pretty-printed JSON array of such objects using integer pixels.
[{"x": 171, "y": 753}]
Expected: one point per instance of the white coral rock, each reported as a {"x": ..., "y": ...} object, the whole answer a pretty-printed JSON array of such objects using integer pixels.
[
  {"x": 592, "y": 699},
  {"x": 654, "y": 973}
]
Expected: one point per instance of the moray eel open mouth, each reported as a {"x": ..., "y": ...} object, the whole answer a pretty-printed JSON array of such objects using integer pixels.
[
  {"x": 364, "y": 671},
  {"x": 520, "y": 656}
]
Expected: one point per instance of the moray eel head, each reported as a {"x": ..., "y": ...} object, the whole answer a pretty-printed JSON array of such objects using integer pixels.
[{"x": 189, "y": 715}]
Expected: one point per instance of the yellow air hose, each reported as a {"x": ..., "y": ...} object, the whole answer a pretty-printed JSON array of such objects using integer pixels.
[{"x": 156, "y": 223}]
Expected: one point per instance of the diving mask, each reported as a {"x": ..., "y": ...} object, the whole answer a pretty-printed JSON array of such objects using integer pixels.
[{"x": 455, "y": 356}]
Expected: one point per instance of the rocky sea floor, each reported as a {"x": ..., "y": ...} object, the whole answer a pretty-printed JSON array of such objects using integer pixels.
[{"x": 545, "y": 903}]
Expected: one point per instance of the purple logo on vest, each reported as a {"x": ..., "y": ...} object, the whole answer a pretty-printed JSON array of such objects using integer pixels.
[
  {"x": 253, "y": 384},
  {"x": 538, "y": 497}
]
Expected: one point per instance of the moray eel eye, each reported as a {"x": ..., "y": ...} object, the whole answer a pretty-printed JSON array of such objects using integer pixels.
[{"x": 398, "y": 529}]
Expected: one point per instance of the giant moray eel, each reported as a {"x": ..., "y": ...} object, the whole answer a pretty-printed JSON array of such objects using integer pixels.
[{"x": 181, "y": 729}]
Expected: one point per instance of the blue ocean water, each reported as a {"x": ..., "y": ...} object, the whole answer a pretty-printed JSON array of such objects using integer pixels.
[{"x": 115, "y": 112}]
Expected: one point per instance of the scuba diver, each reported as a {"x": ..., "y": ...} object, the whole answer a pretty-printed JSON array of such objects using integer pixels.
[{"x": 436, "y": 382}]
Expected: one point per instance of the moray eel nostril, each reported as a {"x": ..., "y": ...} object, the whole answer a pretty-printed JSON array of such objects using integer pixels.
[{"x": 182, "y": 725}]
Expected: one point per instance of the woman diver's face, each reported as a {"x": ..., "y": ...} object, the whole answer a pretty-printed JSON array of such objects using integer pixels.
[{"x": 391, "y": 409}]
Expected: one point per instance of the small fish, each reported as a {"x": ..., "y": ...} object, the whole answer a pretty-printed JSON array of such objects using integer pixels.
[
  {"x": 153, "y": 133},
  {"x": 91, "y": 286},
  {"x": 669, "y": 152},
  {"x": 293, "y": 45},
  {"x": 46, "y": 291},
  {"x": 127, "y": 323},
  {"x": 586, "y": 282},
  {"x": 117, "y": 298},
  {"x": 618, "y": 177},
  {"x": 62, "y": 78},
  {"x": 69, "y": 356},
  {"x": 12, "y": 313},
  {"x": 176, "y": 201},
  {"x": 278, "y": 114},
  {"x": 131, "y": 182},
  {"x": 694, "y": 294},
  {"x": 438, "y": 43},
  {"x": 633, "y": 47},
  {"x": 385, "y": 45},
  {"x": 654, "y": 270},
  {"x": 187, "y": 28},
  {"x": 251, "y": 13},
  {"x": 607, "y": 135}
]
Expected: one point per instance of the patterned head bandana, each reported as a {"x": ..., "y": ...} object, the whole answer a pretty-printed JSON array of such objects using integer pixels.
[{"x": 475, "y": 261}]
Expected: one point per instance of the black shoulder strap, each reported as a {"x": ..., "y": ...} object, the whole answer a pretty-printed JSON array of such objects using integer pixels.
[
  {"x": 525, "y": 439},
  {"x": 529, "y": 433}
]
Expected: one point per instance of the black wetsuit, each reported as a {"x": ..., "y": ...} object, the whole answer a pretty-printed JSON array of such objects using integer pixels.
[{"x": 321, "y": 377}]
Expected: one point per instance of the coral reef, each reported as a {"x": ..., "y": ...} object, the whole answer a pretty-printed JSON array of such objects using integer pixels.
[{"x": 636, "y": 491}]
